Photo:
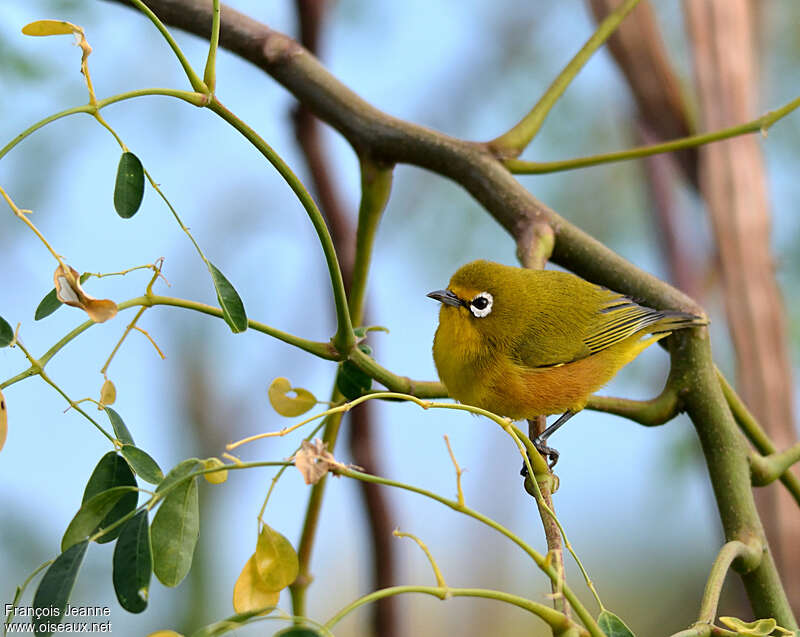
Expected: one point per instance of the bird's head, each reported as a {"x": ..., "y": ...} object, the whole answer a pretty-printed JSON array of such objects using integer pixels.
[{"x": 479, "y": 298}]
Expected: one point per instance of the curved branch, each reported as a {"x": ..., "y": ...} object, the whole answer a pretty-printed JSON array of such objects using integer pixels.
[
  {"x": 390, "y": 140},
  {"x": 649, "y": 413}
]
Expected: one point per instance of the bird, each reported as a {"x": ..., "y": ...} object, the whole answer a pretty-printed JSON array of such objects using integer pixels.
[{"x": 523, "y": 343}]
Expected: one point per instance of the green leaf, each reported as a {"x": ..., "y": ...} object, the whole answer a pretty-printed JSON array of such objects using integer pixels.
[
  {"x": 229, "y": 300},
  {"x": 120, "y": 430},
  {"x": 297, "y": 631},
  {"x": 612, "y": 625},
  {"x": 758, "y": 628},
  {"x": 55, "y": 588},
  {"x": 276, "y": 560},
  {"x": 178, "y": 472},
  {"x": 351, "y": 380},
  {"x": 141, "y": 462},
  {"x": 92, "y": 516},
  {"x": 289, "y": 406},
  {"x": 129, "y": 188},
  {"x": 50, "y": 302},
  {"x": 112, "y": 471},
  {"x": 6, "y": 333},
  {"x": 133, "y": 564},
  {"x": 174, "y": 533}
]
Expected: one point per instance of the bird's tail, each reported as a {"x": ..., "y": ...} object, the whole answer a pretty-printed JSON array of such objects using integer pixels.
[{"x": 671, "y": 320}]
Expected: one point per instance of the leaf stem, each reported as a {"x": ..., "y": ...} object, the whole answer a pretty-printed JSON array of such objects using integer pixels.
[{"x": 722, "y": 564}]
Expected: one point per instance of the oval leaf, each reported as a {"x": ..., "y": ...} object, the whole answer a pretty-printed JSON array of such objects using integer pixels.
[
  {"x": 108, "y": 393},
  {"x": 229, "y": 300},
  {"x": 3, "y": 420},
  {"x": 91, "y": 516},
  {"x": 352, "y": 381},
  {"x": 6, "y": 333},
  {"x": 141, "y": 462},
  {"x": 133, "y": 564},
  {"x": 174, "y": 533},
  {"x": 120, "y": 430},
  {"x": 276, "y": 560},
  {"x": 178, "y": 472},
  {"x": 289, "y": 406},
  {"x": 249, "y": 593},
  {"x": 55, "y": 588},
  {"x": 612, "y": 625},
  {"x": 112, "y": 471},
  {"x": 129, "y": 187},
  {"x": 217, "y": 477},
  {"x": 50, "y": 303},
  {"x": 47, "y": 305},
  {"x": 50, "y": 27}
]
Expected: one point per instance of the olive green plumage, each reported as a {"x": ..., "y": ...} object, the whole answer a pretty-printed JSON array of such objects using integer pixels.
[{"x": 523, "y": 343}]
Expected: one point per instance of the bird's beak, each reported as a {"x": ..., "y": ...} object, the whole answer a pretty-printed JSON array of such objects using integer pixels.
[{"x": 446, "y": 297}]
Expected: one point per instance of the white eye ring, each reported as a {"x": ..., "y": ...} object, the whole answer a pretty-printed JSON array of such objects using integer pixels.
[{"x": 481, "y": 305}]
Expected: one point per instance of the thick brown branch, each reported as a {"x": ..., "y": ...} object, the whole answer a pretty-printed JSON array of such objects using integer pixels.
[{"x": 391, "y": 140}]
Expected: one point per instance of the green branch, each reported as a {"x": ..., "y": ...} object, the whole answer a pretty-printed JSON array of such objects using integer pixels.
[
  {"x": 196, "y": 99},
  {"x": 556, "y": 620},
  {"x": 762, "y": 124},
  {"x": 210, "y": 73},
  {"x": 344, "y": 340},
  {"x": 376, "y": 186},
  {"x": 730, "y": 552},
  {"x": 393, "y": 382},
  {"x": 515, "y": 140},
  {"x": 755, "y": 434},
  {"x": 649, "y": 413},
  {"x": 540, "y": 560},
  {"x": 767, "y": 469},
  {"x": 319, "y": 349},
  {"x": 194, "y": 80}
]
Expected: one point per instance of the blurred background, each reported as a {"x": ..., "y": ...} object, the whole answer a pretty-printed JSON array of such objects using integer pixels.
[{"x": 635, "y": 502}]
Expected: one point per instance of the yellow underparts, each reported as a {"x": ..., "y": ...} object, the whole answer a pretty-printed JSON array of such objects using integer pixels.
[{"x": 510, "y": 389}]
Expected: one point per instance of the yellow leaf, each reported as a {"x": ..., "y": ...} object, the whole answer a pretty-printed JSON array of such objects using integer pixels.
[
  {"x": 51, "y": 27},
  {"x": 249, "y": 593},
  {"x": 3, "y": 420},
  {"x": 70, "y": 292},
  {"x": 289, "y": 406},
  {"x": 165, "y": 633},
  {"x": 108, "y": 393},
  {"x": 218, "y": 477},
  {"x": 276, "y": 560}
]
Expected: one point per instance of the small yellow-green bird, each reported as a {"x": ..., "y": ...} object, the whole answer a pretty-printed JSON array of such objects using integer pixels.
[{"x": 524, "y": 343}]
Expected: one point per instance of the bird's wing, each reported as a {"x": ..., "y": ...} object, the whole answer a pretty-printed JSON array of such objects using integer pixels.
[
  {"x": 618, "y": 319},
  {"x": 569, "y": 333}
]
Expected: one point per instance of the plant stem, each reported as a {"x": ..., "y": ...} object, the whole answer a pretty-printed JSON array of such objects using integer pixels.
[
  {"x": 727, "y": 554},
  {"x": 515, "y": 140},
  {"x": 210, "y": 73},
  {"x": 344, "y": 340},
  {"x": 557, "y": 621},
  {"x": 649, "y": 413},
  {"x": 757, "y": 436},
  {"x": 522, "y": 167},
  {"x": 196, "y": 82},
  {"x": 539, "y": 559}
]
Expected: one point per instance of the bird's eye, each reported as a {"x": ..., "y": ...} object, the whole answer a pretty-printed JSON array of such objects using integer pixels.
[{"x": 481, "y": 305}]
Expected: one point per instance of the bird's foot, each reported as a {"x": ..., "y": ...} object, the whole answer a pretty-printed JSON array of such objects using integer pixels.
[{"x": 550, "y": 455}]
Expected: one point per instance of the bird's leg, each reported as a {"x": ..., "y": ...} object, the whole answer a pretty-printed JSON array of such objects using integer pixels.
[{"x": 539, "y": 442}]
